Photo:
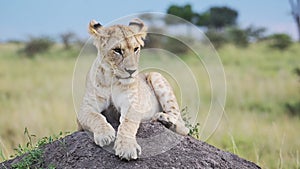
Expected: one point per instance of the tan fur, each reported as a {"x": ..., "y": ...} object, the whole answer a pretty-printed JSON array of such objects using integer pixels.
[{"x": 114, "y": 80}]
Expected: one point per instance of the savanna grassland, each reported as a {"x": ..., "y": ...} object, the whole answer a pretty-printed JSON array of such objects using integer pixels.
[{"x": 37, "y": 93}]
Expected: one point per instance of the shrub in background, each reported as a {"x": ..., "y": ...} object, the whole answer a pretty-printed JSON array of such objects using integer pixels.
[
  {"x": 218, "y": 39},
  {"x": 238, "y": 37},
  {"x": 37, "y": 45},
  {"x": 279, "y": 41},
  {"x": 293, "y": 107}
]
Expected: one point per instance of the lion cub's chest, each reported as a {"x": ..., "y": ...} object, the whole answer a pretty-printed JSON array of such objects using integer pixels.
[{"x": 139, "y": 99}]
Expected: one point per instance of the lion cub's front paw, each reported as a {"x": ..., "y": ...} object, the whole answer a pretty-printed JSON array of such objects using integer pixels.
[
  {"x": 127, "y": 148},
  {"x": 105, "y": 137}
]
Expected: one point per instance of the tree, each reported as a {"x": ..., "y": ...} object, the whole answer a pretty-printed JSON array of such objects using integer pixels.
[
  {"x": 67, "y": 38},
  {"x": 202, "y": 19},
  {"x": 296, "y": 14},
  {"x": 216, "y": 17},
  {"x": 184, "y": 12},
  {"x": 255, "y": 33},
  {"x": 222, "y": 16}
]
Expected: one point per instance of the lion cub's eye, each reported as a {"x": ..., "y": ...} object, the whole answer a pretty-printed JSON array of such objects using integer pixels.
[
  {"x": 118, "y": 51},
  {"x": 136, "y": 49}
]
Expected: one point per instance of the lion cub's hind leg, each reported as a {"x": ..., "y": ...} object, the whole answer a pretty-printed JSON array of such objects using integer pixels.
[{"x": 170, "y": 117}]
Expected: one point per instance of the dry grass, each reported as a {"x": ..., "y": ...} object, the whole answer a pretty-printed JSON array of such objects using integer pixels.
[
  {"x": 259, "y": 83},
  {"x": 35, "y": 94}
]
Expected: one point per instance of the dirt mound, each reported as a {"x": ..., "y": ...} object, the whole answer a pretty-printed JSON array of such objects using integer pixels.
[{"x": 160, "y": 149}]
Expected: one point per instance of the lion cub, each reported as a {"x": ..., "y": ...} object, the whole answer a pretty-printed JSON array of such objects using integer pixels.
[{"x": 114, "y": 79}]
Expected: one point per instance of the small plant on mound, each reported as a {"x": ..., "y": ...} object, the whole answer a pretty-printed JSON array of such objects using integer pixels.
[
  {"x": 32, "y": 152},
  {"x": 194, "y": 128},
  {"x": 32, "y": 157}
]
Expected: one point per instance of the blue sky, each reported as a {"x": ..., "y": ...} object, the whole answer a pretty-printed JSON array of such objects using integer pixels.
[{"x": 19, "y": 19}]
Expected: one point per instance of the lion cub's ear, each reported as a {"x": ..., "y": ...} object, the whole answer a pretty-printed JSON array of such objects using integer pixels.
[
  {"x": 139, "y": 29},
  {"x": 94, "y": 28}
]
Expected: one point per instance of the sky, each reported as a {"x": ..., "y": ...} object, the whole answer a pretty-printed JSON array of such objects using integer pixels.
[{"x": 22, "y": 19}]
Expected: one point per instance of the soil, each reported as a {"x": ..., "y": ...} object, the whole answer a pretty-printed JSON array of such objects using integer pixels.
[{"x": 161, "y": 148}]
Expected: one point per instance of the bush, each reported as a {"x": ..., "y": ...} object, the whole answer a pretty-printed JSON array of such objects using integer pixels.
[
  {"x": 216, "y": 38},
  {"x": 238, "y": 37},
  {"x": 293, "y": 107},
  {"x": 280, "y": 41},
  {"x": 37, "y": 45}
]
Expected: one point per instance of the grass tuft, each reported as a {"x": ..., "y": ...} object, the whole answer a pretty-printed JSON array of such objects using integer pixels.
[{"x": 33, "y": 154}]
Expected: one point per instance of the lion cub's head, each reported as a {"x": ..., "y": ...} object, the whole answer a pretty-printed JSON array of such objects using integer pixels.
[{"x": 119, "y": 47}]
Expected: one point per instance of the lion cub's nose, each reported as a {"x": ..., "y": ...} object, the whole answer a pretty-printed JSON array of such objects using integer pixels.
[{"x": 130, "y": 71}]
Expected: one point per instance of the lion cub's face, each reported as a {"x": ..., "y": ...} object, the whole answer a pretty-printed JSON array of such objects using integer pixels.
[{"x": 120, "y": 47}]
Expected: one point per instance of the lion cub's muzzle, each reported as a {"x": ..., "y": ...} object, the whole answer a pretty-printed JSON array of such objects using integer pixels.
[
  {"x": 130, "y": 74},
  {"x": 130, "y": 71}
]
